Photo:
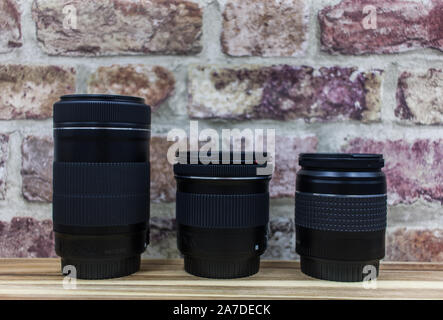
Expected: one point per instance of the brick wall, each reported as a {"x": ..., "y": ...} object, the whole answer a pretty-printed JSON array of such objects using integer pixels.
[{"x": 323, "y": 73}]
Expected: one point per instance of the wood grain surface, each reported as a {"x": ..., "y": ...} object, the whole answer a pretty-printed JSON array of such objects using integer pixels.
[{"x": 165, "y": 279}]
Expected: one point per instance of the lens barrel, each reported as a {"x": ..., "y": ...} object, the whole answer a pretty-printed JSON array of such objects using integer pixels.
[
  {"x": 222, "y": 216},
  {"x": 340, "y": 215},
  {"x": 101, "y": 183}
]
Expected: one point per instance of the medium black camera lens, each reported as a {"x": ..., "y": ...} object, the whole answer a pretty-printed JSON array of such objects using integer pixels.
[
  {"x": 340, "y": 215},
  {"x": 101, "y": 183},
  {"x": 222, "y": 216}
]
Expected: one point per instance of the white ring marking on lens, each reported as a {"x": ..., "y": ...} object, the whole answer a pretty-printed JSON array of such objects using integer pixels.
[
  {"x": 101, "y": 128},
  {"x": 344, "y": 195},
  {"x": 222, "y": 178}
]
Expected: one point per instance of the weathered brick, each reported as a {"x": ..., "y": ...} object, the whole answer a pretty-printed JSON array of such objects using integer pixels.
[
  {"x": 37, "y": 158},
  {"x": 265, "y": 28},
  {"x": 163, "y": 239},
  {"x": 162, "y": 175},
  {"x": 287, "y": 150},
  {"x": 281, "y": 240},
  {"x": 284, "y": 92},
  {"x": 420, "y": 97},
  {"x": 4, "y": 153},
  {"x": 29, "y": 92},
  {"x": 400, "y": 26},
  {"x": 10, "y": 26},
  {"x": 413, "y": 169},
  {"x": 115, "y": 27},
  {"x": 406, "y": 244},
  {"x": 153, "y": 83},
  {"x": 26, "y": 237}
]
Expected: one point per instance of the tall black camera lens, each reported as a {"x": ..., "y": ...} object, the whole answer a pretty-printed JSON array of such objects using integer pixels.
[
  {"x": 101, "y": 183},
  {"x": 340, "y": 215},
  {"x": 222, "y": 216}
]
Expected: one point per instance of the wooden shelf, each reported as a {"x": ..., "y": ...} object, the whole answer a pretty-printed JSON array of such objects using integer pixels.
[{"x": 165, "y": 279}]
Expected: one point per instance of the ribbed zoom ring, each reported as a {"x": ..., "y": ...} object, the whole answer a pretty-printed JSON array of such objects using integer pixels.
[
  {"x": 100, "y": 194},
  {"x": 102, "y": 112},
  {"x": 222, "y": 211},
  {"x": 341, "y": 213}
]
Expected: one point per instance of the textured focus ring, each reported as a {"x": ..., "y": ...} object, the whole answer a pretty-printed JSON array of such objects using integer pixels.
[
  {"x": 222, "y": 211},
  {"x": 101, "y": 111},
  {"x": 100, "y": 194},
  {"x": 340, "y": 213}
]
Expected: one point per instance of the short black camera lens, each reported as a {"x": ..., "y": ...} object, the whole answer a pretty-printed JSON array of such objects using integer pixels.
[
  {"x": 101, "y": 184},
  {"x": 340, "y": 215},
  {"x": 222, "y": 216}
]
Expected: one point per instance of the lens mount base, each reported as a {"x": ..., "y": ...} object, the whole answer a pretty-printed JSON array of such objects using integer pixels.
[
  {"x": 221, "y": 269},
  {"x": 343, "y": 271},
  {"x": 89, "y": 269}
]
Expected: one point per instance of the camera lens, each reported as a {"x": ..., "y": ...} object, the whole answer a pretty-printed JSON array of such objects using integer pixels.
[
  {"x": 222, "y": 215},
  {"x": 101, "y": 184},
  {"x": 340, "y": 215}
]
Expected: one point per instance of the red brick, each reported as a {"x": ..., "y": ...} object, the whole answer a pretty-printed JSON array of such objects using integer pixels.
[
  {"x": 419, "y": 97},
  {"x": 265, "y": 28},
  {"x": 406, "y": 244},
  {"x": 162, "y": 175},
  {"x": 115, "y": 27},
  {"x": 10, "y": 26},
  {"x": 153, "y": 83},
  {"x": 414, "y": 170},
  {"x": 284, "y": 92},
  {"x": 26, "y": 237},
  {"x": 29, "y": 92},
  {"x": 4, "y": 153},
  {"x": 37, "y": 158},
  {"x": 401, "y": 26}
]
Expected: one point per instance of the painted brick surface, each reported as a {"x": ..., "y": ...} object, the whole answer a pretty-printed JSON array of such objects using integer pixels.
[
  {"x": 153, "y": 83},
  {"x": 29, "y": 92},
  {"x": 26, "y": 237},
  {"x": 284, "y": 92},
  {"x": 4, "y": 154},
  {"x": 265, "y": 28},
  {"x": 10, "y": 26},
  {"x": 37, "y": 158},
  {"x": 414, "y": 170},
  {"x": 114, "y": 27},
  {"x": 162, "y": 175},
  {"x": 406, "y": 244},
  {"x": 420, "y": 97},
  {"x": 397, "y": 26}
]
